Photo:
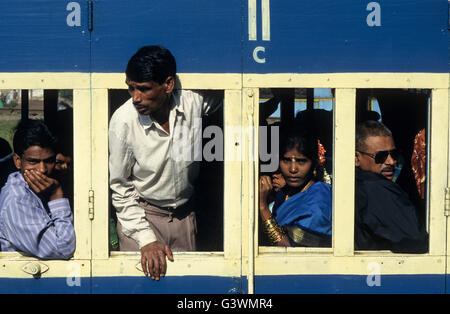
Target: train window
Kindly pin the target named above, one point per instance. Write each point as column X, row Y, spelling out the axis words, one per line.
column 296, row 132
column 205, row 184
column 55, row 109
column 400, row 115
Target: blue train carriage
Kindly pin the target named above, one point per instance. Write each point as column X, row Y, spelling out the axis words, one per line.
column 339, row 58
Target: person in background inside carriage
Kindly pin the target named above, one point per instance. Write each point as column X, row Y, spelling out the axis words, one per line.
column 301, row 215
column 35, row 217
column 385, row 218
column 151, row 191
column 62, row 127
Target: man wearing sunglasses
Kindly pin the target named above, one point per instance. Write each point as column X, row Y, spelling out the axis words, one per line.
column 385, row 218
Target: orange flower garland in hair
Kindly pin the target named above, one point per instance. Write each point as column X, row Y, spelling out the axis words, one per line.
column 321, row 152
column 418, row 162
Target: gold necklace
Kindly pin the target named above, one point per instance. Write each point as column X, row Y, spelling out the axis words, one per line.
column 304, row 189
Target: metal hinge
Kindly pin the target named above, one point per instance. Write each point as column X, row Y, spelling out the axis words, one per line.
column 91, row 204
column 447, row 202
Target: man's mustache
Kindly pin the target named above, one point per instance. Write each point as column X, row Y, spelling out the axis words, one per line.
column 388, row 169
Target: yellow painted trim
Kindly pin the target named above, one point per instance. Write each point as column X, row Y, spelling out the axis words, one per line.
column 56, row 269
column 205, row 262
column 281, row 264
column 253, row 163
column 233, row 144
column 185, row 80
column 250, row 113
column 344, row 172
column 44, row 80
column 183, row 265
column 82, row 166
column 72, row 80
column 340, row 260
column 448, row 178
column 348, row 80
column 100, row 179
column 437, row 173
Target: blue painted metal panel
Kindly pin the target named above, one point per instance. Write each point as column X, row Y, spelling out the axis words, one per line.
column 305, row 36
column 314, row 36
column 203, row 35
column 167, row 285
column 292, row 284
column 389, row 284
column 35, row 37
column 308, row 36
column 44, row 285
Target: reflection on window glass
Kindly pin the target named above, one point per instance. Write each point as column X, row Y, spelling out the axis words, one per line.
column 390, row 194
column 295, row 194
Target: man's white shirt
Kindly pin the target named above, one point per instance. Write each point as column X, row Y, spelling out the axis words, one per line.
column 147, row 162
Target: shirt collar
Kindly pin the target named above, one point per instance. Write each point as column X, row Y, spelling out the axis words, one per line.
column 17, row 178
column 368, row 175
column 147, row 122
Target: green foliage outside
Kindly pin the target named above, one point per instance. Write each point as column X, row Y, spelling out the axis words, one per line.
column 7, row 125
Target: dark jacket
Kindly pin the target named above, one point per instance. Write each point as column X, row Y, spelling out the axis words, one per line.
column 385, row 218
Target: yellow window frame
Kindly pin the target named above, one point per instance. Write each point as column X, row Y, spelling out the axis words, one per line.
column 342, row 258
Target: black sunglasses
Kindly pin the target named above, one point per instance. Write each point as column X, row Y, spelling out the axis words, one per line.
column 381, row 156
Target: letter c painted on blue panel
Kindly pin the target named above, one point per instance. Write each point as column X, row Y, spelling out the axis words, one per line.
column 256, row 56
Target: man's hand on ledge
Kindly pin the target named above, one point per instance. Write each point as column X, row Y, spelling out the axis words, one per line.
column 153, row 259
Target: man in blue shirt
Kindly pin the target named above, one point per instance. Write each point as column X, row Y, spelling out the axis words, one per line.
column 35, row 218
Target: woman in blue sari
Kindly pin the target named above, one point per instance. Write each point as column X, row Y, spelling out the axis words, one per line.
column 301, row 215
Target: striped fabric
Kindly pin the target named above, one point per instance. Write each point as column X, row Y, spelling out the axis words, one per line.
column 27, row 226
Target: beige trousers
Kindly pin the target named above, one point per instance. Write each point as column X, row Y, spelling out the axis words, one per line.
column 176, row 231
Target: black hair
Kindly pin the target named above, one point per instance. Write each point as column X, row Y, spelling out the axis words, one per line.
column 62, row 128
column 306, row 142
column 5, row 148
column 369, row 128
column 151, row 63
column 31, row 132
